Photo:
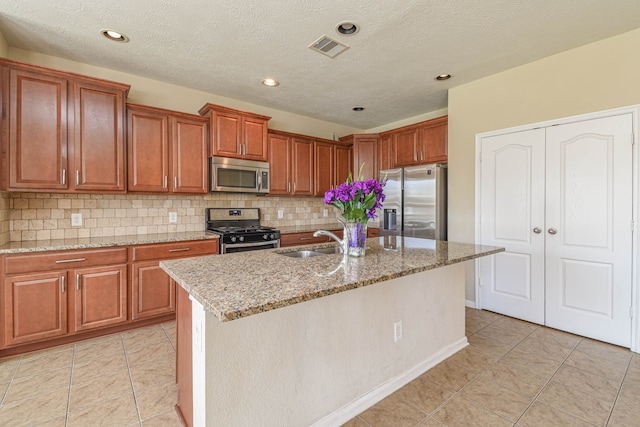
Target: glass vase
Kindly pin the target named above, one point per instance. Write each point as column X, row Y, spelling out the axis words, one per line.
column 355, row 237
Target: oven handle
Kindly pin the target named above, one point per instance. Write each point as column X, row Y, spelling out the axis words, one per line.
column 250, row 245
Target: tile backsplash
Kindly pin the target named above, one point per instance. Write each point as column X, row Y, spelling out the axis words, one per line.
column 43, row 216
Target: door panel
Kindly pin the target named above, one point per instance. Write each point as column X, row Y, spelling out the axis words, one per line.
column 512, row 205
column 589, row 203
column 189, row 156
column 100, row 297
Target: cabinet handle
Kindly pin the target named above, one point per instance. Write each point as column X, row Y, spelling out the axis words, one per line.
column 62, row 280
column 77, row 177
column 288, row 187
column 63, row 261
column 179, row 250
column 166, row 178
column 78, row 281
column 306, row 238
column 537, row 230
column 294, row 187
column 552, row 231
column 415, row 156
column 64, row 176
column 175, row 182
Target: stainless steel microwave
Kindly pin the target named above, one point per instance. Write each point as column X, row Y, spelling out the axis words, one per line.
column 239, row 176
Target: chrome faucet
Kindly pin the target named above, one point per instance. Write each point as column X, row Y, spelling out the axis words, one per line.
column 333, row 236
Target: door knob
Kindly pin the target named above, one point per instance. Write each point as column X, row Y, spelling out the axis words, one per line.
column 537, row 230
column 552, row 231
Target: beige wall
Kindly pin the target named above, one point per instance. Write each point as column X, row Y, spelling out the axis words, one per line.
column 165, row 95
column 409, row 121
column 598, row 76
column 4, row 46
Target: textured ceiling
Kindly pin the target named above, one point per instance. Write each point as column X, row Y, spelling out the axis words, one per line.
column 228, row 47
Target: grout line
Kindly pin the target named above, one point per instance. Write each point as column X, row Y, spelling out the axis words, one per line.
column 626, row 371
column 13, row 375
column 133, row 389
column 73, row 364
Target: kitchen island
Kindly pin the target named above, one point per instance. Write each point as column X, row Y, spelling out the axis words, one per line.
column 282, row 341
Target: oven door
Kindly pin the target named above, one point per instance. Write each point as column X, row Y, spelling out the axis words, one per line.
column 227, row 248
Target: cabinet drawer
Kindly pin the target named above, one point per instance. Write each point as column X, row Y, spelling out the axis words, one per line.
column 175, row 250
column 50, row 261
column 294, row 239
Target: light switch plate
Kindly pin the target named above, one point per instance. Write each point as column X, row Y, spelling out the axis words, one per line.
column 76, row 220
column 173, row 217
column 325, row 212
column 280, row 213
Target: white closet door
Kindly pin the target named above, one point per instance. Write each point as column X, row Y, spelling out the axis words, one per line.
column 588, row 228
column 512, row 207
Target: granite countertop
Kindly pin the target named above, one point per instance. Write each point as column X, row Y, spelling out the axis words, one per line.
column 237, row 285
column 101, row 242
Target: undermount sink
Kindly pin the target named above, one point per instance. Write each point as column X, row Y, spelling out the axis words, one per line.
column 300, row 254
column 315, row 252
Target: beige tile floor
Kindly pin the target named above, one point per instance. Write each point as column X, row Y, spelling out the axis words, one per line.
column 518, row 373
column 512, row 373
column 125, row 379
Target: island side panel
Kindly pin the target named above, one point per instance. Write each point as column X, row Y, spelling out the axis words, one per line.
column 324, row 360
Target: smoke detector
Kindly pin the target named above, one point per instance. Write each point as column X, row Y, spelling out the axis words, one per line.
column 328, row 46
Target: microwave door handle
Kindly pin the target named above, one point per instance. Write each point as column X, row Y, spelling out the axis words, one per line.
column 259, row 180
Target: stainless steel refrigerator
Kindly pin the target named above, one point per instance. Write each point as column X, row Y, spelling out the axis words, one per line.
column 416, row 202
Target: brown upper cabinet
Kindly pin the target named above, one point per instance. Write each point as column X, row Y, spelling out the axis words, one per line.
column 167, row 151
column 236, row 133
column 291, row 164
column 420, row 143
column 64, row 132
column 365, row 151
column 332, row 165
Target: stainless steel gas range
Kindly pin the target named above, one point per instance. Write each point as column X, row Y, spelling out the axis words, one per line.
column 240, row 229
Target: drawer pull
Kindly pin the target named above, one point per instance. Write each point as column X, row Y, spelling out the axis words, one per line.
column 179, row 250
column 306, row 238
column 63, row 261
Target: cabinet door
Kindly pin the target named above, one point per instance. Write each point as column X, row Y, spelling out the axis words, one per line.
column 280, row 165
column 254, row 139
column 406, row 148
column 98, row 138
column 189, row 156
column 154, row 292
column 434, row 143
column 37, row 131
column 302, row 167
column 324, row 167
column 365, row 151
column 35, row 307
column 148, row 146
column 100, row 297
column 343, row 164
column 385, row 150
column 226, row 135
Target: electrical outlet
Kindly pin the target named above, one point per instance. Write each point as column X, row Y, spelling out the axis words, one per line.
column 280, row 213
column 325, row 212
column 173, row 217
column 397, row 331
column 76, row 220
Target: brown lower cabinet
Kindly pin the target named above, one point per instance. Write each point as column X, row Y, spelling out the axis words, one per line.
column 50, row 298
column 306, row 238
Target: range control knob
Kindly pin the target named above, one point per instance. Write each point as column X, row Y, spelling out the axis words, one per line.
column 265, row 236
column 272, row 236
column 233, row 239
column 241, row 238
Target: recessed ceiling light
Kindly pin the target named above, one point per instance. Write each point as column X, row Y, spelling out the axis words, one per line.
column 347, row 28
column 270, row 82
column 443, row 77
column 115, row 36
column 358, row 108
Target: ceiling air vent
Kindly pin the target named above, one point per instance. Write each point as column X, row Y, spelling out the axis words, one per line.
column 328, row 46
